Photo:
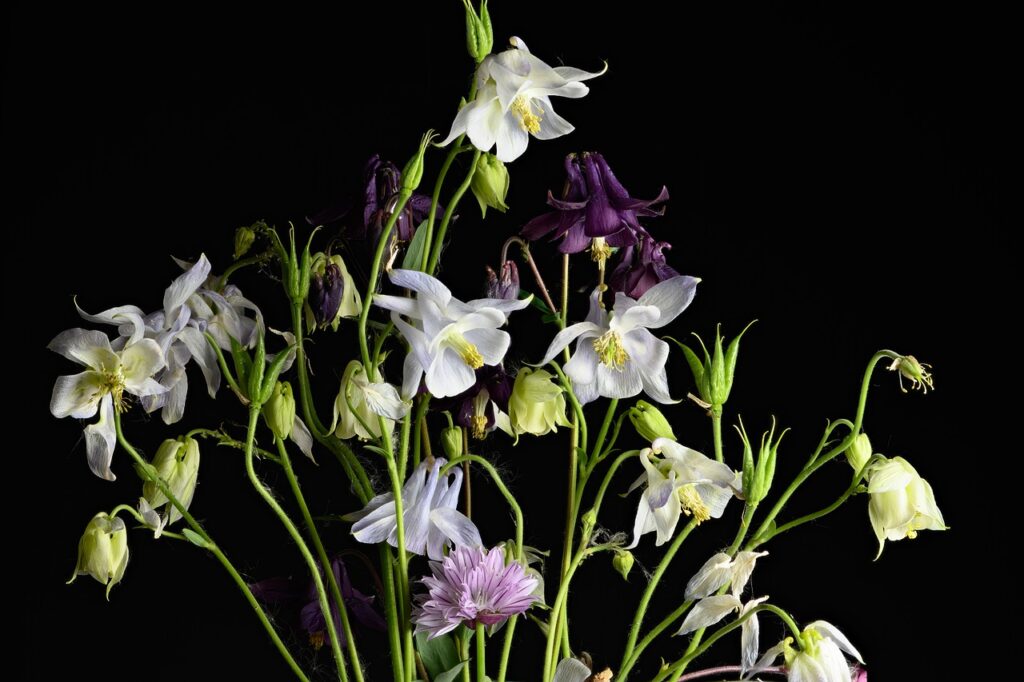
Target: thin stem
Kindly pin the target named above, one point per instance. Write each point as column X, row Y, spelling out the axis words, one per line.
column 564, row 311
column 502, row 488
column 481, row 648
column 442, row 229
column 524, row 248
column 727, row 670
column 325, row 562
column 506, row 649
column 435, row 199
column 613, row 404
column 403, row 565
column 228, row 374
column 212, row 547
column 467, row 485
column 238, row 265
column 716, row 432
column 394, row 623
column 857, row 478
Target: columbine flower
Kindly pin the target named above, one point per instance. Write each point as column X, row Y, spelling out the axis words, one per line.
column 177, row 463
column 483, row 405
column 901, row 502
column 332, row 293
column 595, row 206
column 575, row 670
column 428, row 512
column 472, row 586
column 917, row 372
column 641, row 267
column 537, row 404
column 103, row 551
column 360, row 402
column 285, row 592
column 102, row 387
column 513, row 101
column 683, row 482
column 721, row 569
column 819, row 659
column 616, row 354
column 505, row 285
column 448, row 338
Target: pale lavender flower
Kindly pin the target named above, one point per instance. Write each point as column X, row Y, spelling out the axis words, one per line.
column 472, row 586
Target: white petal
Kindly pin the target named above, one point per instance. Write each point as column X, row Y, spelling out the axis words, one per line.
column 174, row 404
column 87, row 347
column 709, row 611
column 301, row 436
column 666, row 518
column 888, row 476
column 571, row 670
column 551, row 124
column 650, row 355
column 403, row 305
column 77, row 395
column 572, row 74
column 141, row 361
column 586, row 393
column 99, row 440
column 378, row 524
column 384, row 401
column 643, row 522
column 447, row 497
column 671, row 297
column 419, row 344
column 806, row 669
column 768, row 659
column 567, row 336
column 458, row 125
column 456, row 526
column 184, row 286
column 832, row 632
column 423, row 284
column 831, row 660
column 204, row 356
column 416, row 514
column 483, row 119
column 511, row 139
column 128, row 316
column 715, row 498
column 715, row 572
column 505, row 305
column 492, row 344
column 743, row 566
column 582, row 365
column 448, row 374
column 619, row 383
column 635, row 316
column 750, row 635
column 412, row 375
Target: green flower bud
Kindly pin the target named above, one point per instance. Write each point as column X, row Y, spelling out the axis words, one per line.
column 537, row 403
column 103, row 551
column 177, row 463
column 257, row 368
column 244, row 238
column 412, row 174
column 451, row 441
column 714, row 375
column 623, row 562
column 649, row 422
column 589, row 520
column 279, row 410
column 490, row 183
column 479, row 33
column 758, row 475
column 859, row 452
column 917, row 372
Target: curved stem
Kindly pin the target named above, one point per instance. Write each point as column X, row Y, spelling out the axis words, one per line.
column 238, row 265
column 857, row 478
column 442, row 229
column 502, row 488
column 725, row 670
column 212, row 547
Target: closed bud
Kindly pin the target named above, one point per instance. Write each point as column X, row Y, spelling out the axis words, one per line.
column 412, row 174
column 479, row 33
column 859, row 452
column 177, row 463
column 537, row 403
column 244, row 238
column 589, row 520
column 505, row 285
column 103, row 551
column 649, row 422
column 279, row 410
column 623, row 562
column 490, row 183
column 451, row 441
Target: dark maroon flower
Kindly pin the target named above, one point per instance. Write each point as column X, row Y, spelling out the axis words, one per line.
column 641, row 267
column 506, row 285
column 595, row 205
column 325, row 293
column 285, row 592
column 476, row 407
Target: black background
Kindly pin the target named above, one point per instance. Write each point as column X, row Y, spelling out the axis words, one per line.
column 834, row 173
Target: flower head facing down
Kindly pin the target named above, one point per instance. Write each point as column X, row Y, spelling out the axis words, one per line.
column 471, row 586
column 595, row 206
column 513, row 102
column 428, row 512
column 177, row 462
column 448, row 338
column 901, row 502
column 361, row 403
column 484, row 404
column 103, row 551
column 537, row 404
column 616, row 354
column 641, row 267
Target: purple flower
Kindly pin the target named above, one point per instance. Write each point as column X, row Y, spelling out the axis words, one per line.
column 595, row 205
column 325, row 293
column 477, row 407
column 641, row 267
column 472, row 586
column 284, row 592
column 506, row 285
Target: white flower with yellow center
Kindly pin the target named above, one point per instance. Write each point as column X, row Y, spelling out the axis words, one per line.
column 448, row 338
column 513, row 101
column 109, row 375
column 901, row 502
column 819, row 658
column 616, row 354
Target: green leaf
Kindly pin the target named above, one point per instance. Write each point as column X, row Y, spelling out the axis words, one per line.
column 195, row 538
column 438, row 654
column 450, row 675
column 413, row 259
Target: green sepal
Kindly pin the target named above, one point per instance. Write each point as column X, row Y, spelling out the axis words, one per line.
column 195, row 538
column 242, row 361
column 259, row 364
column 273, row 372
column 413, row 259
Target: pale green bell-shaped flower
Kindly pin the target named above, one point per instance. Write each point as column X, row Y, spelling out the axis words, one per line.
column 361, row 403
column 537, row 403
column 177, row 463
column 103, row 551
column 490, row 183
column 901, row 502
column 279, row 410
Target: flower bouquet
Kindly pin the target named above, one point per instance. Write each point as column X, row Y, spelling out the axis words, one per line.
column 433, row 377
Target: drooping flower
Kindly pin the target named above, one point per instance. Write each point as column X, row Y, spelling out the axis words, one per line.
column 471, row 586
column 640, row 267
column 490, row 184
column 537, row 404
column 918, row 373
column 505, row 285
column 513, row 101
column 721, row 569
column 332, row 293
column 177, row 462
column 383, row 180
column 103, row 551
column 102, row 387
column 361, row 402
column 819, row 657
column 449, row 338
column 901, row 502
column 682, row 482
column 595, row 206
column 430, row 519
column 616, row 355
column 484, row 404
column 288, row 593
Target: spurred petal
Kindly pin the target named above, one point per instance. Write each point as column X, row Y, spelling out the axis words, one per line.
column 129, row 319
column 567, row 336
column 709, row 611
column 832, row 632
column 456, row 526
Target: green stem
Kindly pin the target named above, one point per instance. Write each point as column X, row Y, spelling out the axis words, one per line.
column 481, row 648
column 296, row 536
column 212, row 547
column 238, row 265
column 716, row 432
column 228, row 374
column 435, row 199
column 394, row 623
column 506, row 649
column 502, row 488
column 442, row 229
column 403, row 566
column 556, row 608
column 325, row 562
column 857, row 478
column 613, row 404
column 419, row 429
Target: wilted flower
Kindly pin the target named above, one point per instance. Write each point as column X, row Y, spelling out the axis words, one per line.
column 616, row 354
column 448, row 338
column 917, row 372
column 513, row 101
column 720, row 570
column 471, row 586
column 383, row 181
column 428, row 512
column 819, row 658
column 177, row 463
column 361, row 402
column 285, row 592
column 537, row 403
column 102, row 387
column 575, row 670
column 505, row 285
column 901, row 502
column 480, row 407
column 103, row 551
column 490, row 184
column 595, row 205
column 640, row 267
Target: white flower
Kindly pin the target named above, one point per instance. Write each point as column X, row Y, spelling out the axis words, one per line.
column 448, row 338
column 901, row 502
column 360, row 402
column 684, row 481
column 721, row 569
column 429, row 516
column 102, row 386
column 616, row 356
column 819, row 659
column 513, row 101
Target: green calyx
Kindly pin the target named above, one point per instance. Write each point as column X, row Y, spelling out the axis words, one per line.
column 715, row 373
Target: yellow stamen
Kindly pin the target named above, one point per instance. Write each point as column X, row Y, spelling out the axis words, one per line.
column 113, row 382
column 609, row 350
column 478, row 426
column 316, row 639
column 523, row 108
column 599, row 250
column 693, row 505
column 467, row 351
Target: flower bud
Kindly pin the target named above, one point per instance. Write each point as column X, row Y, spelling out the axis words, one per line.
column 505, row 286
column 917, row 372
column 714, row 376
column 177, row 463
column 588, row 521
column 537, row 403
column 412, row 174
column 901, row 502
column 325, row 292
column 451, row 441
column 649, row 422
column 623, row 562
column 859, row 452
column 490, row 183
column 279, row 410
column 479, row 33
column 103, row 551
column 244, row 238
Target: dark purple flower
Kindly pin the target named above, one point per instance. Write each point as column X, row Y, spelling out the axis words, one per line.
column 595, row 205
column 472, row 585
column 325, row 293
column 506, row 285
column 641, row 267
column 285, row 592
column 477, row 407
